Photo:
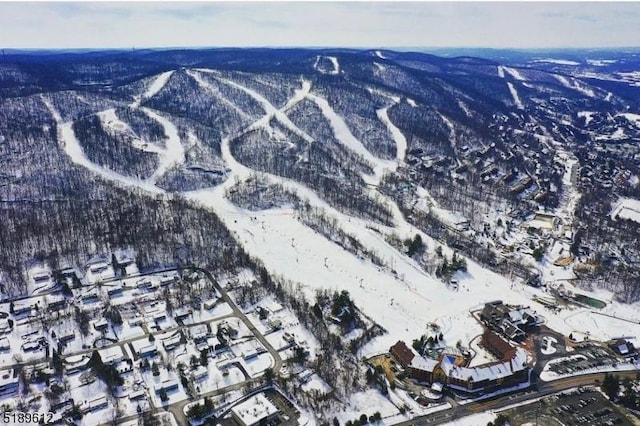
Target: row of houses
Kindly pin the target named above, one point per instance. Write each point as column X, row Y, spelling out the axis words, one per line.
column 451, row 371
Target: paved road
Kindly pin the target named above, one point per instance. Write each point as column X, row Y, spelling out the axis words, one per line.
column 177, row 409
column 544, row 389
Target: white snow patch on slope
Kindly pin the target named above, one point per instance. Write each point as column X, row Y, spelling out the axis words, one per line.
column 153, row 89
column 272, row 111
column 398, row 136
column 380, row 55
column 344, row 135
column 514, row 73
column 500, row 71
column 379, row 67
column 411, row 102
column 334, row 62
column 601, row 62
column 173, row 153
column 588, row 116
column 558, row 61
column 632, row 118
column 336, row 65
column 71, row 146
column 627, row 208
column 214, row 91
column 515, row 96
column 572, row 83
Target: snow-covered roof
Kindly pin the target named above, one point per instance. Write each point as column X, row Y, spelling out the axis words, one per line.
column 254, row 409
column 422, row 363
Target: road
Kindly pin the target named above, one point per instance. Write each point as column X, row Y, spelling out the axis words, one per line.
column 544, row 389
column 177, row 408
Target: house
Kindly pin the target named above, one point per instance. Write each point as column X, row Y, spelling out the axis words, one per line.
column 9, row 382
column 96, row 404
column 199, row 333
column 112, row 355
column 199, row 373
column 402, row 354
column 20, row 309
column 496, row 345
column 254, row 411
column 31, row 346
column 115, row 291
column 101, row 325
column 450, row 370
column 165, row 281
column 55, row 303
column 512, row 322
column 168, row 386
column 90, row 297
column 622, row 347
column 172, row 342
column 485, row 378
column 210, row 304
column 181, row 314
column 143, row 348
column 4, row 344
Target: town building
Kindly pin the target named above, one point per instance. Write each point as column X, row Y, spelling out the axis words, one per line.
column 254, row 411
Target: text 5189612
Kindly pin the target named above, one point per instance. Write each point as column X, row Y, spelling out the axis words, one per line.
column 19, row 417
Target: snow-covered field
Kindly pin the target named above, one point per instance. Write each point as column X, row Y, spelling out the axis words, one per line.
column 627, row 208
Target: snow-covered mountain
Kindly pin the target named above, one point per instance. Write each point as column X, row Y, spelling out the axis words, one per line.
column 322, row 164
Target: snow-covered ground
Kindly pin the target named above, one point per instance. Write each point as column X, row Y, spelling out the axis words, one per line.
column 402, row 298
column 627, row 208
column 156, row 85
column 516, row 97
column 572, row 83
column 558, row 61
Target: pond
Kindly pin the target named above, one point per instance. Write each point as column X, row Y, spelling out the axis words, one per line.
column 589, row 301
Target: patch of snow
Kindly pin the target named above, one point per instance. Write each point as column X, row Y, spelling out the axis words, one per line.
column 411, row 102
column 632, row 118
column 626, row 208
column 572, row 83
column 71, row 146
column 515, row 96
column 588, row 115
column 153, row 89
column 601, row 62
column 398, row 136
column 558, row 61
column 514, row 73
column 380, row 55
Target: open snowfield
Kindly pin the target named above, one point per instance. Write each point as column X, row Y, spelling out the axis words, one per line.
column 627, row 208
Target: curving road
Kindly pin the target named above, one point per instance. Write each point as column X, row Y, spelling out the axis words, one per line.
column 544, row 389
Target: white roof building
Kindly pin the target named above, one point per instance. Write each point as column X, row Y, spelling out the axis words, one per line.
column 254, row 410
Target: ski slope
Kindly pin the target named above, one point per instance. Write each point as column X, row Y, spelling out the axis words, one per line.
column 516, row 97
column 400, row 296
column 157, row 85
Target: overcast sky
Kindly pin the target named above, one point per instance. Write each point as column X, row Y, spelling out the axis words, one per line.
column 352, row 24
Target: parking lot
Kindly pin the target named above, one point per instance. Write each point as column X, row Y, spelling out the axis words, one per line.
column 585, row 407
column 591, row 357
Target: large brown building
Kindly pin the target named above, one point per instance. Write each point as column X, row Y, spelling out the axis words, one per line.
column 510, row 370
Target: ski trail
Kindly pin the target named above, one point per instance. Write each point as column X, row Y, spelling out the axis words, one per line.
column 272, row 111
column 153, row 89
column 575, row 85
column 173, row 154
column 336, row 65
column 71, row 146
column 515, row 96
column 514, row 73
column 214, row 91
column 344, row 136
column 398, row 136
